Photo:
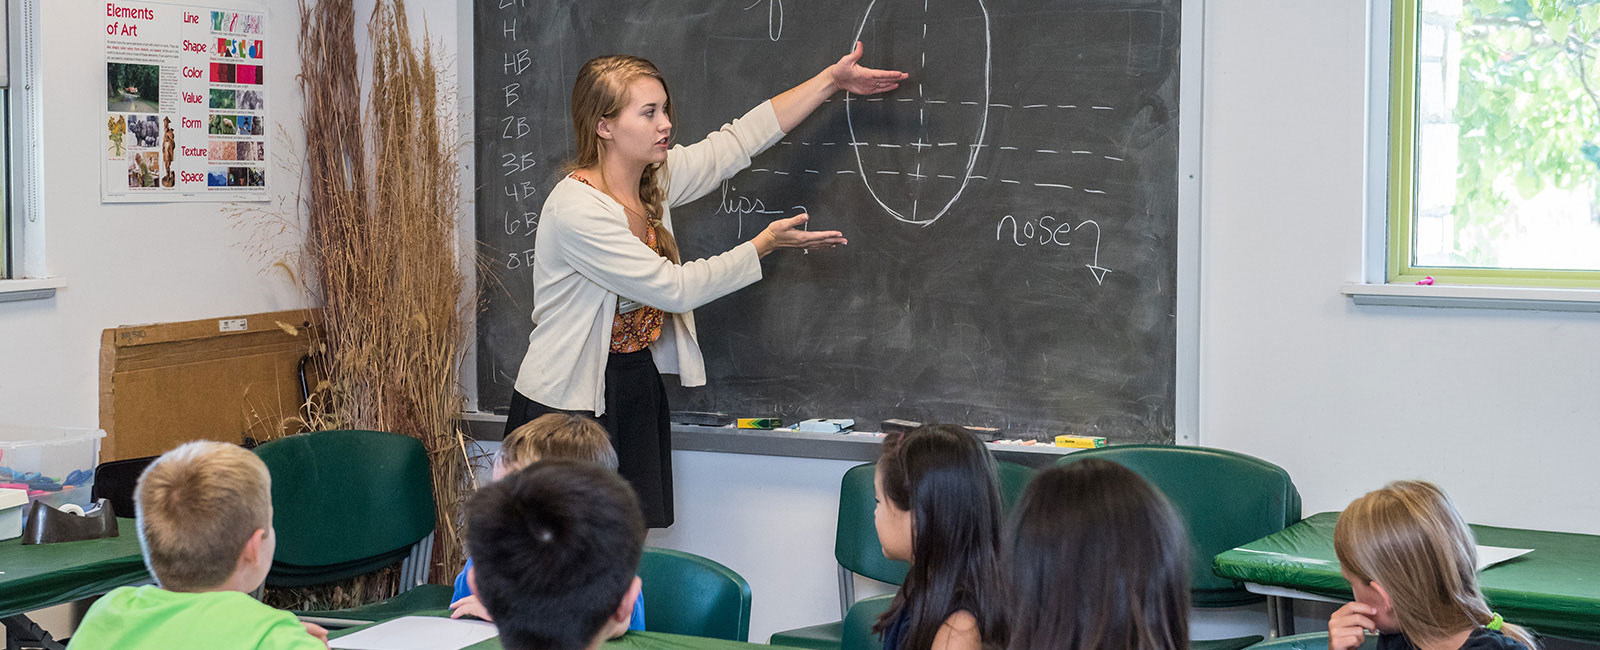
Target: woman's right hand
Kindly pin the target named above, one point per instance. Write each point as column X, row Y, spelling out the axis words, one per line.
column 1347, row 628
column 791, row 233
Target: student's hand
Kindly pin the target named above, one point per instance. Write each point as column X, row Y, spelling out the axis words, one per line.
column 1347, row 628
column 849, row 75
column 469, row 606
column 790, row 233
column 317, row 631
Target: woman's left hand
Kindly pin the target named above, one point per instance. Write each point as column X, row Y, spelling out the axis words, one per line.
column 849, row 75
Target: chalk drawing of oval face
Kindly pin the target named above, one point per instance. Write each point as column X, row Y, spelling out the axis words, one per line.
column 916, row 147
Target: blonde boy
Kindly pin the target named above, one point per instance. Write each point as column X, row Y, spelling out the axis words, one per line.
column 205, row 526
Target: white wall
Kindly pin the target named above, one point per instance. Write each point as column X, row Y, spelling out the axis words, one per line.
column 1498, row 407
column 134, row 262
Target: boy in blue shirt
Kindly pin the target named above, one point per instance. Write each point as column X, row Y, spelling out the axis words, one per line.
column 551, row 436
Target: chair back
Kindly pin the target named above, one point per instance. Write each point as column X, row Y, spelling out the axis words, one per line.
column 858, row 623
column 1313, row 641
column 346, row 503
column 117, row 481
column 1227, row 499
column 855, row 541
column 694, row 596
column 1014, row 478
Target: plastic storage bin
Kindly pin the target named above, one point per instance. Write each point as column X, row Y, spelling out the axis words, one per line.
column 55, row 464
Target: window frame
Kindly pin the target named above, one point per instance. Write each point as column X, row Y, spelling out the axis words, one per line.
column 1403, row 112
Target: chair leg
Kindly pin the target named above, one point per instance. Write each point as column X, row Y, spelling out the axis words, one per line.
column 847, row 591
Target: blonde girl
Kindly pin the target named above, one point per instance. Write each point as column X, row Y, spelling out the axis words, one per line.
column 1412, row 563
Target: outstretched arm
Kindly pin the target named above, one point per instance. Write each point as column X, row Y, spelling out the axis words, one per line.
column 848, row 74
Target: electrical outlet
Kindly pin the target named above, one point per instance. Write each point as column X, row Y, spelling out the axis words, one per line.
column 233, row 325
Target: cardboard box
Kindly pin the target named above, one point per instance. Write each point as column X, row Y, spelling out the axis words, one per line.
column 215, row 379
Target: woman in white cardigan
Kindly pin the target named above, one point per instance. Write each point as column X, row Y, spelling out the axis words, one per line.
column 612, row 301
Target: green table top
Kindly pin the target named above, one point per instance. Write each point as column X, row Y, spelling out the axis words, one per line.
column 32, row 577
column 1555, row 589
column 629, row 641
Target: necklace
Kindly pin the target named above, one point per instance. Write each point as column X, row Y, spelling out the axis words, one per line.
column 626, row 211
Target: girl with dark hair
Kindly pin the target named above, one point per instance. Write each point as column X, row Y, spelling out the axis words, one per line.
column 612, row 299
column 939, row 510
column 1096, row 559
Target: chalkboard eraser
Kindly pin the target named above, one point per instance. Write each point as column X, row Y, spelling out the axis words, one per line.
column 896, row 425
column 825, row 425
column 701, row 418
column 1080, row 442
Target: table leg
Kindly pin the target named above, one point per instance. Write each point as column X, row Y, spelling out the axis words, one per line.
column 1280, row 617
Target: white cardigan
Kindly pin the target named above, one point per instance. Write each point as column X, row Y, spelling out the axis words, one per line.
column 584, row 257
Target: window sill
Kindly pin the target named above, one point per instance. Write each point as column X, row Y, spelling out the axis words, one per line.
column 1474, row 297
column 30, row 288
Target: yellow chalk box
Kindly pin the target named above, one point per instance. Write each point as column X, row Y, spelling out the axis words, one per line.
column 1080, row 442
column 759, row 423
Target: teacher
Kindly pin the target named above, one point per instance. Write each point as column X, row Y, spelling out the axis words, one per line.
column 612, row 300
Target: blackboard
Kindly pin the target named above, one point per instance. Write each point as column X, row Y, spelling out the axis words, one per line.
column 1011, row 209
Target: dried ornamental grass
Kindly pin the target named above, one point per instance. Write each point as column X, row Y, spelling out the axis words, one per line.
column 380, row 254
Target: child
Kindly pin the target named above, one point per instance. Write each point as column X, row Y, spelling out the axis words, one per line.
column 555, row 435
column 1412, row 563
column 1096, row 559
column 939, row 509
column 205, row 526
column 557, row 547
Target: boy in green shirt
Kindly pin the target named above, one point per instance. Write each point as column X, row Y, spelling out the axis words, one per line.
column 205, row 525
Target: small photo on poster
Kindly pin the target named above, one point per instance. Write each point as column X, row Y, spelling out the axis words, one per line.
column 249, row 125
column 133, row 88
column 222, row 125
column 245, row 150
column 246, row 177
column 221, row 73
column 217, row 177
column 232, row 21
column 223, row 98
column 144, row 169
column 223, row 150
column 251, row 100
column 117, row 131
column 144, row 131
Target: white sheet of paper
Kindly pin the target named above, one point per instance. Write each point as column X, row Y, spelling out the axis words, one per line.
column 417, row 633
column 1489, row 556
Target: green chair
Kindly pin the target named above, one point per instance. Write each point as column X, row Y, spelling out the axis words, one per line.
column 1226, row 499
column 855, row 546
column 1315, row 641
column 858, row 623
column 694, row 596
column 347, row 503
column 1014, row 479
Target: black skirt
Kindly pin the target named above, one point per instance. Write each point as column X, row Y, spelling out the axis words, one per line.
column 637, row 419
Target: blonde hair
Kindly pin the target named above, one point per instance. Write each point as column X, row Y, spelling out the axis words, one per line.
column 601, row 92
column 557, row 435
column 1409, row 538
column 198, row 505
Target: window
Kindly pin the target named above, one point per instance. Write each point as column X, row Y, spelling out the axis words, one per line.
column 1494, row 142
